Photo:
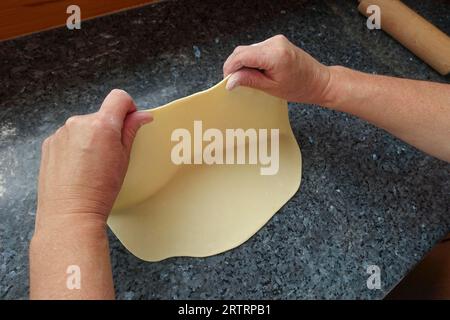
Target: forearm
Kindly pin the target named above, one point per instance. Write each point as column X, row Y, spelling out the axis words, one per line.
column 417, row 112
column 58, row 245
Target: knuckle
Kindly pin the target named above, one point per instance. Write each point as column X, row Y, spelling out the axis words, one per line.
column 103, row 123
column 72, row 121
column 119, row 98
column 117, row 91
column 238, row 49
column 99, row 124
column 120, row 94
column 58, row 131
column 280, row 38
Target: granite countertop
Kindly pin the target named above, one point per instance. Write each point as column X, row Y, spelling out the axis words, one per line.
column 366, row 198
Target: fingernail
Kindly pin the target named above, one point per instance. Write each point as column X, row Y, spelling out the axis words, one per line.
column 146, row 117
column 232, row 82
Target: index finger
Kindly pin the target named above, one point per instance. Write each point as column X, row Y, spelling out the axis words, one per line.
column 117, row 105
column 249, row 57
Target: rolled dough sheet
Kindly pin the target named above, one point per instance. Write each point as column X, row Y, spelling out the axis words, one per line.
column 165, row 210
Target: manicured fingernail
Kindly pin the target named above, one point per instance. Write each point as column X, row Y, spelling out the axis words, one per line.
column 232, row 82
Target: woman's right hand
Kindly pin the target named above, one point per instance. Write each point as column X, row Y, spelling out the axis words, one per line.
column 279, row 68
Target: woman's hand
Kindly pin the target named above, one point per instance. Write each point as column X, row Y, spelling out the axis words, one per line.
column 279, row 68
column 415, row 111
column 82, row 169
column 84, row 163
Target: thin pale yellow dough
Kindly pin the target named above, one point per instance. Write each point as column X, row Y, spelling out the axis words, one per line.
column 165, row 210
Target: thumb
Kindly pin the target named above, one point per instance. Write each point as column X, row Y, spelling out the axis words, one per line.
column 131, row 125
column 248, row 77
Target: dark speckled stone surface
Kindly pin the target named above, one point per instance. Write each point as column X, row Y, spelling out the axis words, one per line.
column 366, row 197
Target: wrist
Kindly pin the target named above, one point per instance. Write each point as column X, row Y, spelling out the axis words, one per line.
column 58, row 235
column 336, row 88
column 63, row 236
column 59, row 243
column 71, row 225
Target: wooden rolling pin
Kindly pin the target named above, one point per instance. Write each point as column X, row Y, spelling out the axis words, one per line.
column 414, row 32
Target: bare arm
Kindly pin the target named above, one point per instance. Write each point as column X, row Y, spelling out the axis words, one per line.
column 417, row 112
column 57, row 248
column 82, row 169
